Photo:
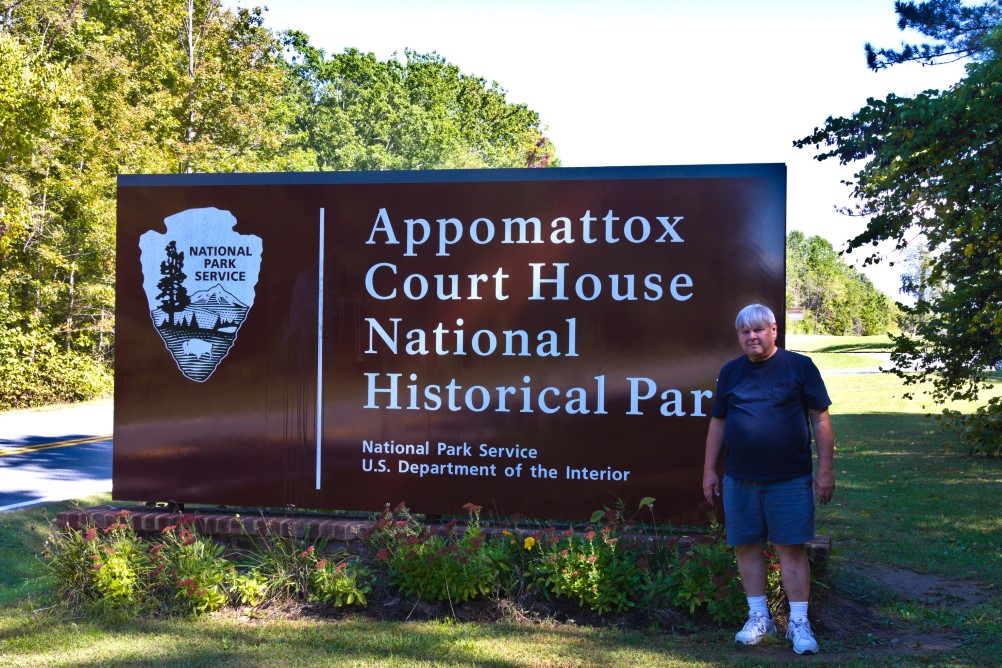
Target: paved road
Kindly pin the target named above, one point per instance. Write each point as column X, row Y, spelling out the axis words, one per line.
column 55, row 454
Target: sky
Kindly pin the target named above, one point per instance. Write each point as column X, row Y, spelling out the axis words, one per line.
column 669, row 82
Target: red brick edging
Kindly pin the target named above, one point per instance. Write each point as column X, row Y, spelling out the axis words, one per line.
column 154, row 520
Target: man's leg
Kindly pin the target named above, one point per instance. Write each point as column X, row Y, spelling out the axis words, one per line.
column 796, row 572
column 752, row 568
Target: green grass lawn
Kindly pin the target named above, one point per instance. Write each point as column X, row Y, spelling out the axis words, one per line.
column 903, row 500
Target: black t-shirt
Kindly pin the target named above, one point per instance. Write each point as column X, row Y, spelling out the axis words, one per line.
column 765, row 407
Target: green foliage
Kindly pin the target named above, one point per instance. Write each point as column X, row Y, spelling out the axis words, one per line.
column 35, row 371
column 190, row 570
column 340, row 583
column 706, row 577
column 933, row 175
column 108, row 565
column 248, row 588
column 434, row 564
column 980, row 432
column 92, row 90
column 961, row 30
column 836, row 298
column 360, row 113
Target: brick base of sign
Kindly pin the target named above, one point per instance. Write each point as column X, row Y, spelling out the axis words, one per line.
column 232, row 525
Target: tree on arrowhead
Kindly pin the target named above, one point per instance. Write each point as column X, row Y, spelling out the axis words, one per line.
column 173, row 294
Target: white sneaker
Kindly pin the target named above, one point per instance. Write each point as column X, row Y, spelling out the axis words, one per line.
column 754, row 629
column 802, row 637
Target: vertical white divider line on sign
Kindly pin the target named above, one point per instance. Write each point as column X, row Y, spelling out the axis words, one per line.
column 320, row 346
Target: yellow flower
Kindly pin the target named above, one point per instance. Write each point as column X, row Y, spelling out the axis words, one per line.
column 506, row 532
column 529, row 542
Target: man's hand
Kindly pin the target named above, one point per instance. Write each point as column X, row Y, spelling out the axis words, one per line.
column 711, row 487
column 824, row 485
column 714, row 444
column 824, row 436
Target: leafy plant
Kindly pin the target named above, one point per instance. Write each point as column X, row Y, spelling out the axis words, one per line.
column 706, row 576
column 340, row 583
column 438, row 564
column 190, row 569
column 600, row 569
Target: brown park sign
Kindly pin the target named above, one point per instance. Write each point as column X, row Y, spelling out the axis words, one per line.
column 542, row 342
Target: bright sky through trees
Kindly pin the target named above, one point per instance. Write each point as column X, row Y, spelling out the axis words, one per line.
column 648, row 82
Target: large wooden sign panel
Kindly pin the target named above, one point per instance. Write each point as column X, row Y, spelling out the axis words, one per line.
column 543, row 342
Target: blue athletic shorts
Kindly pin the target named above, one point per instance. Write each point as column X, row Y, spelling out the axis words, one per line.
column 781, row 513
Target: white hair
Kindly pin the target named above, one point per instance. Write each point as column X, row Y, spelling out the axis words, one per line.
column 754, row 315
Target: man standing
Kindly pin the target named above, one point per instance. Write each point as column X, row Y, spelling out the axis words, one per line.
column 765, row 405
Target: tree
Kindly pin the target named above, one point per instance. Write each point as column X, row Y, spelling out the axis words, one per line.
column 933, row 172
column 960, row 31
column 172, row 291
column 836, row 298
column 360, row 113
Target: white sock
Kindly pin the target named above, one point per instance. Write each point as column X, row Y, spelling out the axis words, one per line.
column 759, row 605
column 798, row 611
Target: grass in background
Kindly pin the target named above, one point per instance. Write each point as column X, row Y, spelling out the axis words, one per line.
column 808, row 343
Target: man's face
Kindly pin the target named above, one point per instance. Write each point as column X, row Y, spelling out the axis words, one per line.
column 758, row 341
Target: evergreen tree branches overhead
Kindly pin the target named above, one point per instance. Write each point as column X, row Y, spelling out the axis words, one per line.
column 959, row 30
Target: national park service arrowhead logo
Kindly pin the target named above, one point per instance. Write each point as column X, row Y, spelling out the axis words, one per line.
column 199, row 280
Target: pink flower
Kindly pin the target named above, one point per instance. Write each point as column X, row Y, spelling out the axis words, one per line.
column 399, row 507
column 156, row 548
column 190, row 541
column 307, row 552
column 568, row 533
column 472, row 507
column 563, row 552
column 592, row 559
column 341, row 566
column 168, row 529
column 90, row 534
column 97, row 567
column 590, row 535
column 382, row 555
column 322, row 564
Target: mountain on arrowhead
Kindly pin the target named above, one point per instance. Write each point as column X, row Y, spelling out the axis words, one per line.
column 216, row 296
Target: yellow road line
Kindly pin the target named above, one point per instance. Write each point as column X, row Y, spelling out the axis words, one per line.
column 25, row 449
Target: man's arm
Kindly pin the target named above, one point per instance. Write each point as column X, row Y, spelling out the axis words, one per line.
column 714, row 444
column 824, row 436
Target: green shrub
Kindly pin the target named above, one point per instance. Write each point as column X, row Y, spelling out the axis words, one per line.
column 706, row 577
column 190, row 571
column 340, row 583
column 93, row 564
column 434, row 564
column 597, row 569
column 981, row 431
column 35, row 371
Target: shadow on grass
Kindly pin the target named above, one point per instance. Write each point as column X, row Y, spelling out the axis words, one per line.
column 857, row 347
column 355, row 641
column 905, row 497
